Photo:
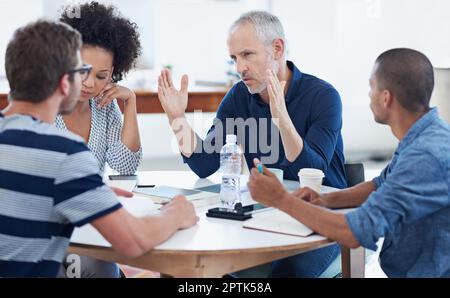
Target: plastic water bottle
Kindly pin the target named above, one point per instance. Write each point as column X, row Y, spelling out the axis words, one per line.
column 230, row 167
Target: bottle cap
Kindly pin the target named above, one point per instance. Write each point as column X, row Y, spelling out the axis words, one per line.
column 231, row 139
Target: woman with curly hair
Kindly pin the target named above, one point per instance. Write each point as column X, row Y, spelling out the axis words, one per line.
column 111, row 45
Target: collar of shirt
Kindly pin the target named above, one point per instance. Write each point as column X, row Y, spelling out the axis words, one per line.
column 20, row 115
column 295, row 82
column 418, row 127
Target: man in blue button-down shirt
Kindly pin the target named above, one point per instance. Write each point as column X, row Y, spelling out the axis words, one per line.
column 409, row 203
column 273, row 99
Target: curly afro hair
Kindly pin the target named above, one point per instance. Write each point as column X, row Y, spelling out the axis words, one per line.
column 103, row 26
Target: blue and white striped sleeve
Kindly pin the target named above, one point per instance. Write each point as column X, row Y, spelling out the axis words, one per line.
column 80, row 194
column 119, row 157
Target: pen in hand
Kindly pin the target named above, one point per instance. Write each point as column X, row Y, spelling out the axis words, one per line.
column 259, row 166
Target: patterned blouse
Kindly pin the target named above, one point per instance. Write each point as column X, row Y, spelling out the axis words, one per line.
column 105, row 139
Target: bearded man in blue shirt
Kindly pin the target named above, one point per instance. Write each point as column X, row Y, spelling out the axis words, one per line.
column 273, row 99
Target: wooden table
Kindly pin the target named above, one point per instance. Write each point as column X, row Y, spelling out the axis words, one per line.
column 214, row 247
column 205, row 100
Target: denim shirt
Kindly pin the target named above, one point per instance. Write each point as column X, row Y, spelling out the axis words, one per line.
column 411, row 206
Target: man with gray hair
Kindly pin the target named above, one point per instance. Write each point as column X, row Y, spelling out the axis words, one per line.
column 304, row 110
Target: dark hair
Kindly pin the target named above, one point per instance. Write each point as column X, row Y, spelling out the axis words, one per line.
column 408, row 75
column 37, row 57
column 104, row 27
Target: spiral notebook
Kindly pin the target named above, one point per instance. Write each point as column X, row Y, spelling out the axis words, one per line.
column 276, row 221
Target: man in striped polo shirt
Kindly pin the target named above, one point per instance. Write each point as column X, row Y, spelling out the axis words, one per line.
column 49, row 180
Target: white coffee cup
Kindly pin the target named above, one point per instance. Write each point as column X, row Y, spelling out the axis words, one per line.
column 311, row 178
column 279, row 173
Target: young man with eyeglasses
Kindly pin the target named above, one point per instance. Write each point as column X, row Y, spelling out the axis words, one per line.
column 49, row 180
column 84, row 71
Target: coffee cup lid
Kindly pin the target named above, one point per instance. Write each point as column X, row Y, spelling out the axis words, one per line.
column 311, row 173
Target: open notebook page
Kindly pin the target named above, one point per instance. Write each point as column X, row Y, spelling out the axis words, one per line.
column 277, row 221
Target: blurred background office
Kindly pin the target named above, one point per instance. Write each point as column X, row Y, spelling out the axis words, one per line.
column 337, row 40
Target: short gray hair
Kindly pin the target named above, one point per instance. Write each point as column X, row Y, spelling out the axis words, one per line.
column 267, row 26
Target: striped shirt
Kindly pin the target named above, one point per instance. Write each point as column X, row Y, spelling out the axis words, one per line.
column 105, row 139
column 49, row 184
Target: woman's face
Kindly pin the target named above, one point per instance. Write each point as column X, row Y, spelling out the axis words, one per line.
column 102, row 68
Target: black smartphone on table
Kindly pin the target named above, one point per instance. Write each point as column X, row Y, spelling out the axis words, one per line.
column 242, row 213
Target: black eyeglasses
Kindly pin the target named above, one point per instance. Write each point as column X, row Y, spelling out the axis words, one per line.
column 84, row 71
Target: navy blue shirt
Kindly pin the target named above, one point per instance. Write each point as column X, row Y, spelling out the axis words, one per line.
column 314, row 107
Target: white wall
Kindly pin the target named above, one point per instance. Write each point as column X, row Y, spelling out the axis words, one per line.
column 14, row 15
column 338, row 40
column 441, row 95
column 191, row 35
